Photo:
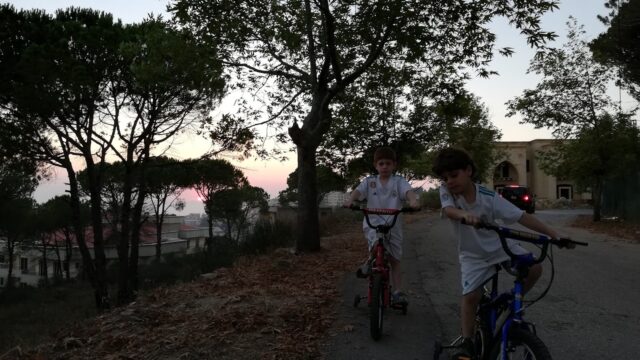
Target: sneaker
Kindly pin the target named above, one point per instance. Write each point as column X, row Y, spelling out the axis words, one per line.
column 464, row 351
column 398, row 297
column 364, row 270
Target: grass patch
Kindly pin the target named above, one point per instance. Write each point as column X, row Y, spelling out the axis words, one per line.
column 30, row 315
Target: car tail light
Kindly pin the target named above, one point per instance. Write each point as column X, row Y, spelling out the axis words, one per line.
column 525, row 198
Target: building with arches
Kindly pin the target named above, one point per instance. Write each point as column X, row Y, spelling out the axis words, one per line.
column 519, row 165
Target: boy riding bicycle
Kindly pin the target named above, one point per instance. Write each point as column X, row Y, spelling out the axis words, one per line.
column 479, row 251
column 385, row 191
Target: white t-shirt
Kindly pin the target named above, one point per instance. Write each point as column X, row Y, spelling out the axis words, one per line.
column 480, row 243
column 388, row 196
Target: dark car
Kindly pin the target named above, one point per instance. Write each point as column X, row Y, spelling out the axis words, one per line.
column 520, row 196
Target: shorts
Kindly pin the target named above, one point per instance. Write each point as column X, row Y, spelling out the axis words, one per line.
column 394, row 246
column 476, row 271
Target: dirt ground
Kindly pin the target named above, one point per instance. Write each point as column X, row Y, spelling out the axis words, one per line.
column 275, row 306
column 618, row 228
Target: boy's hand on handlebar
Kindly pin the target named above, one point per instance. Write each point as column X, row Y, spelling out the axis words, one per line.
column 470, row 219
column 566, row 243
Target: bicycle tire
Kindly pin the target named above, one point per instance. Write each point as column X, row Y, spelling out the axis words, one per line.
column 482, row 339
column 525, row 342
column 376, row 311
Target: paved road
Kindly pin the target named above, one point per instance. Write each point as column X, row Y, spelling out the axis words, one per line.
column 404, row 337
column 591, row 311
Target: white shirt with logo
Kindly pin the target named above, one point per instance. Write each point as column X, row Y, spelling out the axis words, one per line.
column 480, row 249
column 387, row 196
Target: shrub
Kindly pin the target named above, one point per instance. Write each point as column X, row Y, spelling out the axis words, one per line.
column 183, row 268
column 266, row 236
column 430, row 199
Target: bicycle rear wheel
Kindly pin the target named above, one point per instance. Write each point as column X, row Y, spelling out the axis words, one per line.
column 521, row 345
column 376, row 310
column 482, row 339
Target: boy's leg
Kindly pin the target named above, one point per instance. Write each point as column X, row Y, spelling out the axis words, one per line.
column 468, row 309
column 468, row 306
column 534, row 274
column 396, row 274
column 395, row 249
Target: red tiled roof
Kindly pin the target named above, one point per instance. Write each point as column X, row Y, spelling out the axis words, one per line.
column 147, row 235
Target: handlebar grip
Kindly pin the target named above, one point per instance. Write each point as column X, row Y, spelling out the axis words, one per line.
column 568, row 243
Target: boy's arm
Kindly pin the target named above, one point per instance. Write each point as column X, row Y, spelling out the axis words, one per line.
column 534, row 224
column 355, row 195
column 459, row 214
column 450, row 210
column 413, row 199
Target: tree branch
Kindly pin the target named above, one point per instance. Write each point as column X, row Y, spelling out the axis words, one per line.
column 330, row 29
column 273, row 52
column 279, row 112
column 263, row 71
column 311, row 43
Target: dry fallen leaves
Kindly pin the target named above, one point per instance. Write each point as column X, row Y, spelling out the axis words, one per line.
column 275, row 306
column 622, row 229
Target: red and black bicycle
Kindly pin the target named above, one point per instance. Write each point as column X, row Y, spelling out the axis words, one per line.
column 379, row 293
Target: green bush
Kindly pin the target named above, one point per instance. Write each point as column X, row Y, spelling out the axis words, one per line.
column 170, row 270
column 267, row 236
column 430, row 199
column 183, row 268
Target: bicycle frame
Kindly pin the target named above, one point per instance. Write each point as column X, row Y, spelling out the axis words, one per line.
column 381, row 264
column 505, row 310
column 501, row 322
column 511, row 302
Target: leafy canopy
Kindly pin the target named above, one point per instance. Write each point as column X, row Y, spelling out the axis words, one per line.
column 619, row 45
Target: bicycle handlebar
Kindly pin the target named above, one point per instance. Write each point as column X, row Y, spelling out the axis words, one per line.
column 381, row 211
column 538, row 239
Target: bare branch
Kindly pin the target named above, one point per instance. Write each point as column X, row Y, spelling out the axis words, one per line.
column 279, row 112
column 263, row 71
column 274, row 53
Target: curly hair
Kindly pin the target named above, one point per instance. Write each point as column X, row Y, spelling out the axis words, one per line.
column 450, row 159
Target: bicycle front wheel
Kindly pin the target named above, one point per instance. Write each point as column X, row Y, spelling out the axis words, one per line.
column 377, row 306
column 521, row 345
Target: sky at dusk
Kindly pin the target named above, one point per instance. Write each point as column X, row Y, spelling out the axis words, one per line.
column 272, row 175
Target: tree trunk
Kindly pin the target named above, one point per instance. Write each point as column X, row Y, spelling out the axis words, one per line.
column 307, row 140
column 308, row 231
column 210, row 238
column 124, row 292
column 67, row 255
column 597, row 199
column 135, row 242
column 158, row 238
column 44, row 262
column 95, row 270
column 10, row 250
column 56, row 248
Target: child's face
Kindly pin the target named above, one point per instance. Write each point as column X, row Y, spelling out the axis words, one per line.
column 457, row 180
column 385, row 167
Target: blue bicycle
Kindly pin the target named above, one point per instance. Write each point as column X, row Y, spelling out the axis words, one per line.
column 501, row 332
